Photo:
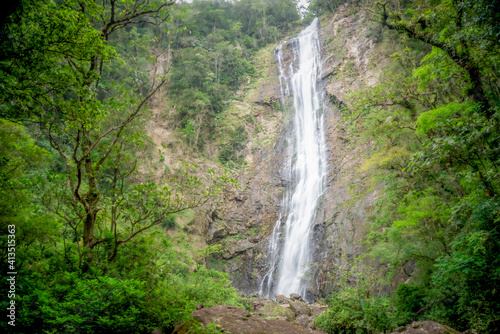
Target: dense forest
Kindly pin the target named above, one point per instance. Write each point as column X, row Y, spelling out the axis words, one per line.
column 434, row 118
column 86, row 222
column 87, row 215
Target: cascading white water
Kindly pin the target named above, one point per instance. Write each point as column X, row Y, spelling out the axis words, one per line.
column 308, row 169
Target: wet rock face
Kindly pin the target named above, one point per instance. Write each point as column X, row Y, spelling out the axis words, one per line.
column 349, row 56
column 232, row 319
column 296, row 297
column 425, row 327
column 348, row 64
column 250, row 213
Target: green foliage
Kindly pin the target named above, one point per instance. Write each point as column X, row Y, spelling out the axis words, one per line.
column 33, row 72
column 434, row 120
column 351, row 311
column 93, row 305
column 212, row 43
column 357, row 309
column 90, row 255
column 410, row 301
column 169, row 221
column 231, row 154
column 202, row 81
column 19, row 157
column 435, row 68
column 321, row 6
column 137, row 293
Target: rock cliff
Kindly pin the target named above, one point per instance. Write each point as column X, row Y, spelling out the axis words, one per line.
column 348, row 52
column 351, row 60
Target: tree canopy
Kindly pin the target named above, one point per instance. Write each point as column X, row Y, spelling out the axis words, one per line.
column 435, row 121
column 92, row 254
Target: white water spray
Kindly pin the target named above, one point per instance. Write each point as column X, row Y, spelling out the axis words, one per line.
column 308, row 170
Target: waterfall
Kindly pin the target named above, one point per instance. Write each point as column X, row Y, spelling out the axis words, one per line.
column 289, row 246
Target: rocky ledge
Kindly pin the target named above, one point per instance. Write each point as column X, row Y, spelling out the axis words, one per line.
column 425, row 327
column 285, row 315
column 232, row 319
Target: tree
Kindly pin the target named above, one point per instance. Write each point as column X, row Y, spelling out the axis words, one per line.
column 18, row 158
column 319, row 6
column 52, row 70
column 465, row 30
column 435, row 120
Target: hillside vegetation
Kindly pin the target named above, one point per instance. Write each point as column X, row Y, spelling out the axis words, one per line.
column 85, row 220
column 90, row 225
column 433, row 119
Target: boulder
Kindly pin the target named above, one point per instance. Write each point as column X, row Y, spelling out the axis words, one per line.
column 285, row 311
column 260, row 305
column 425, row 327
column 317, row 309
column 282, row 299
column 236, row 320
column 296, row 297
column 237, row 247
column 270, row 309
column 300, row 308
column 305, row 321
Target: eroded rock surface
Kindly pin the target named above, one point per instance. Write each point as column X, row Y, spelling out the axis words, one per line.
column 425, row 327
column 350, row 55
column 235, row 320
column 270, row 309
column 290, row 309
